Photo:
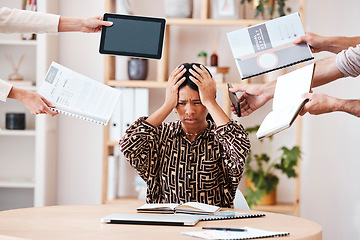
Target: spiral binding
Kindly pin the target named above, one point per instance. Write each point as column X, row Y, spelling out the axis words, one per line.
column 77, row 116
column 232, row 216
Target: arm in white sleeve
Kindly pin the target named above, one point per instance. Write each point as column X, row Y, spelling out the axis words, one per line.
column 21, row 21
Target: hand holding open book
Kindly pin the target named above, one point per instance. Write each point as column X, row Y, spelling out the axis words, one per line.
column 287, row 102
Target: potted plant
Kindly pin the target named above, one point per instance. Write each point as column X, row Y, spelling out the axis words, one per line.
column 270, row 5
column 261, row 171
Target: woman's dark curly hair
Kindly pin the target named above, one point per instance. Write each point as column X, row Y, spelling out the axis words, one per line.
column 187, row 75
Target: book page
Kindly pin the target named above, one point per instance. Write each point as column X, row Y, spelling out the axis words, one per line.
column 291, row 86
column 201, row 207
column 249, row 233
column 287, row 100
column 78, row 95
column 158, row 206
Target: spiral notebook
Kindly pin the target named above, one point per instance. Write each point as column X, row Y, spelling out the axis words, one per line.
column 79, row 96
column 230, row 215
column 248, row 233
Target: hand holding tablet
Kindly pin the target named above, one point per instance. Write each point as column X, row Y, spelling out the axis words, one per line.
column 133, row 36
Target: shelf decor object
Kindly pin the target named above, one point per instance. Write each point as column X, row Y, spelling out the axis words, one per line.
column 178, row 8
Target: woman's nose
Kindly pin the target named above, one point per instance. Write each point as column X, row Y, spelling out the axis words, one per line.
column 189, row 109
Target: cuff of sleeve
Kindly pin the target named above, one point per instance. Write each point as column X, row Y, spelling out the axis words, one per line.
column 52, row 24
column 5, row 88
column 222, row 129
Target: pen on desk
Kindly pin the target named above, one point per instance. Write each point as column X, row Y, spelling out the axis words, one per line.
column 226, row 229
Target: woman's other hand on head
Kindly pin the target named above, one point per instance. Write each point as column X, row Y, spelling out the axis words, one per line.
column 206, row 84
column 172, row 88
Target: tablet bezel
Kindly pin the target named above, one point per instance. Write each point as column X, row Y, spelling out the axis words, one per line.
column 162, row 21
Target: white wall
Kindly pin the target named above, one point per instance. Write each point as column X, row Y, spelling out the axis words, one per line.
column 329, row 188
column 80, row 142
column 329, row 191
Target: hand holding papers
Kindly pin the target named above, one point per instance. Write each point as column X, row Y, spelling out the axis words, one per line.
column 78, row 96
column 287, row 102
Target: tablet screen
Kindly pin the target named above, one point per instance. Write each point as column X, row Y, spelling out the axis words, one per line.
column 133, row 36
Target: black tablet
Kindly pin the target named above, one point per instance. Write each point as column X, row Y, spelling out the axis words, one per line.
column 133, row 36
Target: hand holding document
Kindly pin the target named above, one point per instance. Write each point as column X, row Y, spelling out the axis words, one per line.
column 77, row 95
column 287, row 102
column 269, row 46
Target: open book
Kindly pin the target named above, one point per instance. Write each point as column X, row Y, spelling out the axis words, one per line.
column 268, row 46
column 189, row 207
column 248, row 233
column 77, row 95
column 287, row 102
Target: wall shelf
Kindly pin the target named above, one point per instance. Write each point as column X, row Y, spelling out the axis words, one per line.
column 28, row 157
column 20, row 133
column 18, row 42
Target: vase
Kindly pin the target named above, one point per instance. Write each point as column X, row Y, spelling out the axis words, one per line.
column 138, row 68
column 267, row 199
column 178, row 8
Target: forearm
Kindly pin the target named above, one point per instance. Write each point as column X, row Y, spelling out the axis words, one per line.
column 235, row 142
column 337, row 44
column 159, row 115
column 326, row 71
column 217, row 113
column 70, row 24
column 349, row 106
column 17, row 93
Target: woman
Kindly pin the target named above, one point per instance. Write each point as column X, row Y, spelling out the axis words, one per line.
column 193, row 159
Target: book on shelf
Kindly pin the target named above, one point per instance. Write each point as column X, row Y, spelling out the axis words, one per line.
column 269, row 46
column 287, row 102
column 243, row 233
column 77, row 95
column 189, row 207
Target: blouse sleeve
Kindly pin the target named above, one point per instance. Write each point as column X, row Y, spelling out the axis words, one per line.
column 139, row 146
column 348, row 61
column 236, row 145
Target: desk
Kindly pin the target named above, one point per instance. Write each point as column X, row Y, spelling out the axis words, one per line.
column 82, row 222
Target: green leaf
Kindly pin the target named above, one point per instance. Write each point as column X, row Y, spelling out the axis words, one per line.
column 270, row 183
column 253, row 197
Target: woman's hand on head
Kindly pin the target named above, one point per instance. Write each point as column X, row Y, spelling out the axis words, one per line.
column 172, row 88
column 206, row 84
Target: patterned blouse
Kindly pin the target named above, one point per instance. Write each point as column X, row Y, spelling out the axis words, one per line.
column 176, row 170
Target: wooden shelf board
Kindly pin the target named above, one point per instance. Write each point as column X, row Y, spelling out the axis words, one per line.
column 212, row 22
column 136, row 83
column 19, row 42
column 279, row 208
column 156, row 84
column 12, row 184
column 113, row 143
column 30, row 133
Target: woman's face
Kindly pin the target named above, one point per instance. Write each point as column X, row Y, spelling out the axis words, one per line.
column 190, row 109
